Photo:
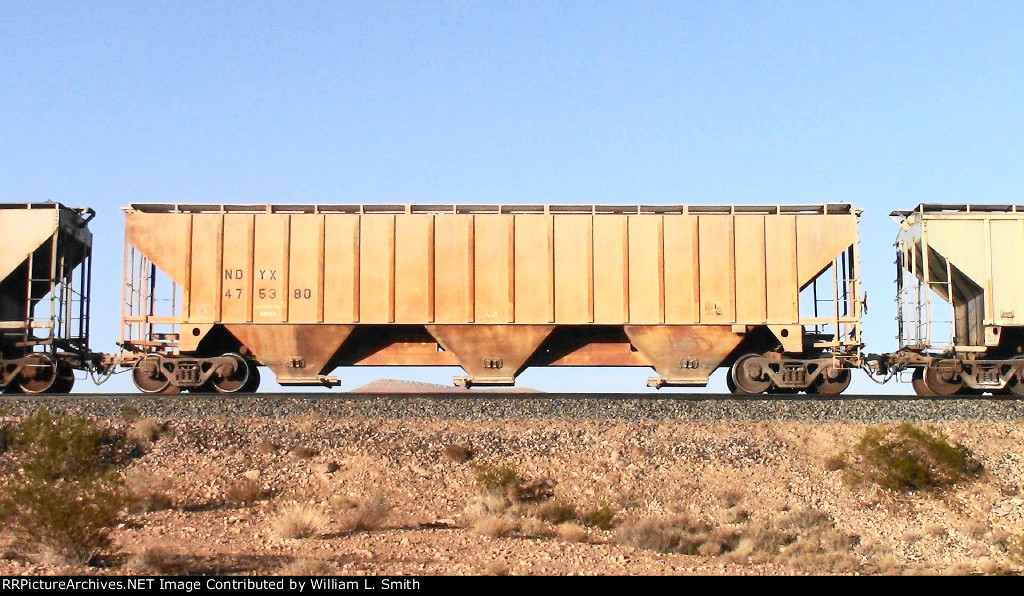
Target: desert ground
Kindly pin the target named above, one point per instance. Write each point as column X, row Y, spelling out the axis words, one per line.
column 317, row 494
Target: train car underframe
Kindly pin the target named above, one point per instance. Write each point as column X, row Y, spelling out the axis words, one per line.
column 225, row 357
column 964, row 371
column 755, row 359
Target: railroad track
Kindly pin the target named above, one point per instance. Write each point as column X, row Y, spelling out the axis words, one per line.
column 508, row 405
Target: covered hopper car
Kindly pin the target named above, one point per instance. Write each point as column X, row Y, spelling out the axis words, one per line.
column 213, row 290
column 45, row 269
column 961, row 299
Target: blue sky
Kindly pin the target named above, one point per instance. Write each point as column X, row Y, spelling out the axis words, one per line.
column 881, row 104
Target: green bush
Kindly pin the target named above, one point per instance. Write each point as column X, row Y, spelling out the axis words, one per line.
column 497, row 478
column 72, row 519
column 130, row 413
column 910, row 458
column 62, row 493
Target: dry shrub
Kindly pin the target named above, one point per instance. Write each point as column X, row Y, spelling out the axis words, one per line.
column 729, row 498
column 909, row 458
column 492, row 525
column 937, row 530
column 506, row 481
column 1013, row 545
column 533, row 527
column 835, row 462
column 744, row 550
column 959, row 568
column 976, row 529
column 484, row 512
column 978, row 550
column 300, row 522
column 555, row 512
column 487, row 504
column 149, row 492
column 674, row 534
column 887, row 565
column 62, row 495
column 988, row 566
column 824, row 547
column 602, row 516
column 147, row 430
column 805, row 540
column 535, row 491
column 735, row 515
column 342, row 503
column 243, row 491
column 459, row 454
column 368, row 514
column 572, row 532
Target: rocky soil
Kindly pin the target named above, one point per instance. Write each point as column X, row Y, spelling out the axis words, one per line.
column 416, row 491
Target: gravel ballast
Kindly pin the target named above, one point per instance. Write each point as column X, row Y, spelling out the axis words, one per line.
column 543, row 406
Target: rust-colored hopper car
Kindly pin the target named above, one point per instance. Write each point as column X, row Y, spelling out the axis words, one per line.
column 771, row 292
column 44, row 296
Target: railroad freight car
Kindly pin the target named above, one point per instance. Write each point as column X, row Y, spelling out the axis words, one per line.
column 45, row 267
column 961, row 299
column 213, row 291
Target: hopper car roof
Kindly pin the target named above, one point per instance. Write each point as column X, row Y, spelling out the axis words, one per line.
column 44, row 205
column 824, row 208
column 950, row 208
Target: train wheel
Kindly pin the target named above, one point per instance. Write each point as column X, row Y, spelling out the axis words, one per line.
column 747, row 376
column 254, row 379
column 65, row 378
column 917, row 382
column 1015, row 386
column 939, row 384
column 833, row 381
column 149, row 377
column 231, row 379
column 729, row 383
column 39, row 375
